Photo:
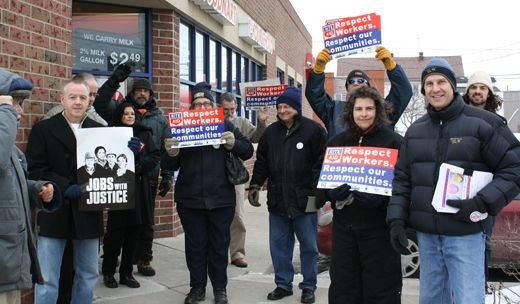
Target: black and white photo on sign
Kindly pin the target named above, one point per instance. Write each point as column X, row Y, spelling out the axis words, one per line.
column 105, row 168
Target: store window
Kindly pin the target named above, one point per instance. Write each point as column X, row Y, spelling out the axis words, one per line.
column 212, row 60
column 280, row 75
column 105, row 36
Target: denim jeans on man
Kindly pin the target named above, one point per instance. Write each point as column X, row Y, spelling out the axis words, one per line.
column 281, row 243
column 454, row 260
column 50, row 253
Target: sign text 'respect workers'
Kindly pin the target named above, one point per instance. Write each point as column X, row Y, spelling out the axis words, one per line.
column 366, row 169
column 261, row 96
column 347, row 36
column 197, row 127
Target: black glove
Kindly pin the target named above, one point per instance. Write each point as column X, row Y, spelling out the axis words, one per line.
column 368, row 200
column 164, row 186
column 253, row 196
column 134, row 144
column 339, row 193
column 121, row 73
column 74, row 192
column 398, row 237
column 470, row 210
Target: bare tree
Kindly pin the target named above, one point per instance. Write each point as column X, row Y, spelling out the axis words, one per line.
column 415, row 109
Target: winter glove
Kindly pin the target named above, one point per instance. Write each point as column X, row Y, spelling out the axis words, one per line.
column 339, row 193
column 168, row 143
column 121, row 73
column 229, row 137
column 385, row 56
column 321, row 61
column 134, row 144
column 164, row 186
column 470, row 210
column 398, row 237
column 368, row 200
column 74, row 192
column 253, row 196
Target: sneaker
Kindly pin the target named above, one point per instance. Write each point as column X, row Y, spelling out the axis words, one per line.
column 109, row 281
column 279, row 293
column 240, row 262
column 307, row 295
column 144, row 268
column 129, row 281
column 220, row 296
column 196, row 295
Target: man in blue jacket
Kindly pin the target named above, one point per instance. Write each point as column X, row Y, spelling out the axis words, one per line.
column 286, row 152
column 328, row 109
column 451, row 244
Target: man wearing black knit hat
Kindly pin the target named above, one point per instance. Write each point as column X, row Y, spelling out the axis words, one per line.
column 143, row 98
column 286, row 152
column 451, row 244
column 328, row 109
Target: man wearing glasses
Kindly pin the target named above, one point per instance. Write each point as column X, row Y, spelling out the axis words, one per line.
column 328, row 109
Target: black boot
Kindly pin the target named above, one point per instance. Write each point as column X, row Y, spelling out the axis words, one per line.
column 129, row 281
column 220, row 295
column 196, row 295
column 110, row 281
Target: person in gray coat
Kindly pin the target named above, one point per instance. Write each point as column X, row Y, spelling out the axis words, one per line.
column 18, row 254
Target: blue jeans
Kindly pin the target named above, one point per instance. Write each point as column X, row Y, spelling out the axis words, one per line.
column 281, row 243
column 454, row 260
column 50, row 253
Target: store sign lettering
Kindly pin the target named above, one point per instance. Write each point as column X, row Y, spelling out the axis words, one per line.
column 224, row 11
column 252, row 33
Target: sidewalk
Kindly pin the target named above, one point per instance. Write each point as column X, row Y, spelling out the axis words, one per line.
column 245, row 285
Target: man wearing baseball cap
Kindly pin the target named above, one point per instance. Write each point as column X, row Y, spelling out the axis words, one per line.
column 328, row 109
column 451, row 245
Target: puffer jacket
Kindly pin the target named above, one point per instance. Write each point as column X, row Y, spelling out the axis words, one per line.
column 17, row 196
column 286, row 157
column 202, row 182
column 328, row 109
column 459, row 135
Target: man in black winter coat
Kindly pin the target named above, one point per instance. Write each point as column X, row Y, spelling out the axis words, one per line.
column 451, row 244
column 51, row 155
column 286, row 152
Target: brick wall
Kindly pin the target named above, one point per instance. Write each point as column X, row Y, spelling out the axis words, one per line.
column 165, row 71
column 36, row 44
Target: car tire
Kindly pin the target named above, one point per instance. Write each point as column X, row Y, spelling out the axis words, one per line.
column 410, row 264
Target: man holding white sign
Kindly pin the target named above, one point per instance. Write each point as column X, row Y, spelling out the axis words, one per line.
column 328, row 109
column 451, row 245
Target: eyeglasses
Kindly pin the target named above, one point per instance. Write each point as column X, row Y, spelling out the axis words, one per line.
column 92, row 94
column 359, row 80
column 202, row 104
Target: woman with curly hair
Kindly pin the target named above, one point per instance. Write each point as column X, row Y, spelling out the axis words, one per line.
column 364, row 267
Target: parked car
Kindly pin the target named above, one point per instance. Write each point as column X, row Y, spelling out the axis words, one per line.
column 505, row 243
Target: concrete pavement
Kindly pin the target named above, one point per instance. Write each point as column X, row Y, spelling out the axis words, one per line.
column 246, row 285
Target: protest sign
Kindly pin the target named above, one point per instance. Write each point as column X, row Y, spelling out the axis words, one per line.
column 197, row 127
column 257, row 97
column 268, row 82
column 105, row 169
column 353, row 35
column 366, row 169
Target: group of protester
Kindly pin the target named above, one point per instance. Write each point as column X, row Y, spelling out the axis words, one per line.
column 369, row 230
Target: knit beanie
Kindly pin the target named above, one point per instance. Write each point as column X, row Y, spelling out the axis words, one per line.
column 439, row 66
column 480, row 77
column 291, row 96
column 142, row 83
column 357, row 73
column 202, row 89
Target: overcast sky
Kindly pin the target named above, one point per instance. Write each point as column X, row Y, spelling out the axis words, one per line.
column 484, row 33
